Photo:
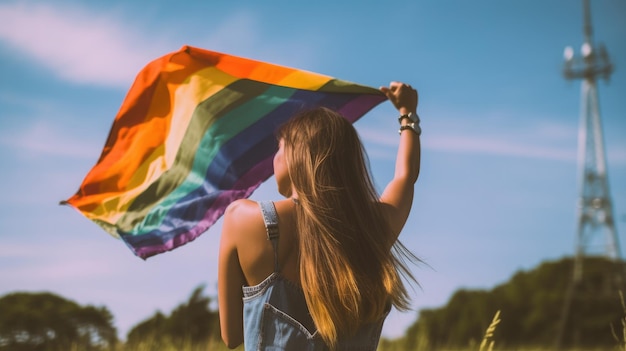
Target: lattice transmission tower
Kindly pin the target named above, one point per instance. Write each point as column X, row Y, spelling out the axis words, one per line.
column 596, row 231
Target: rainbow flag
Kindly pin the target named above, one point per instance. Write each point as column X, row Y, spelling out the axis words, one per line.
column 196, row 132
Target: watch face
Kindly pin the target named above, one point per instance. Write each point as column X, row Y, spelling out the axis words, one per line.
column 414, row 117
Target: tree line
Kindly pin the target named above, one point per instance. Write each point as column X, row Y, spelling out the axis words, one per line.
column 47, row 322
column 532, row 305
column 535, row 311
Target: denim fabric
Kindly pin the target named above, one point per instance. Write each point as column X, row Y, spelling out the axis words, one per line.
column 276, row 317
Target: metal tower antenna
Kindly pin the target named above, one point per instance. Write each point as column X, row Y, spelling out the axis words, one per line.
column 595, row 209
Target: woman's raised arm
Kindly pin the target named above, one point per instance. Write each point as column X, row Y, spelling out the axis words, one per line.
column 397, row 197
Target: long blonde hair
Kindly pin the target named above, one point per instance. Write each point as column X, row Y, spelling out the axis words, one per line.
column 351, row 266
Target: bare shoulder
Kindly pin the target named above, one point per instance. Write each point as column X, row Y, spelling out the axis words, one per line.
column 242, row 207
column 241, row 217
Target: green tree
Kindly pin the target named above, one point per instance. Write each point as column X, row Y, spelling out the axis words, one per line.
column 151, row 331
column 191, row 323
column 194, row 321
column 532, row 304
column 44, row 321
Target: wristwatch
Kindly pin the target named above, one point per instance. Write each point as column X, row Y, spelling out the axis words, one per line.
column 414, row 123
column 412, row 126
column 413, row 117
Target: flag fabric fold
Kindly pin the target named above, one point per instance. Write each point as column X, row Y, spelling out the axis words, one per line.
column 195, row 132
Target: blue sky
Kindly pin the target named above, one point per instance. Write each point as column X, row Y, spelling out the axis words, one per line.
column 499, row 180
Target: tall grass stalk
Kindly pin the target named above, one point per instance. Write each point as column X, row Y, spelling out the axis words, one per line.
column 621, row 341
column 488, row 342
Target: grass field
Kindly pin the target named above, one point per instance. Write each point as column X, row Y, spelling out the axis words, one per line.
column 488, row 343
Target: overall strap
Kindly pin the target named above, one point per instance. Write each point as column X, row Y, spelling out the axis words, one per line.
column 270, row 217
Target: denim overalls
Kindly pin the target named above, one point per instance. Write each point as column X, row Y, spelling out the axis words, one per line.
column 275, row 314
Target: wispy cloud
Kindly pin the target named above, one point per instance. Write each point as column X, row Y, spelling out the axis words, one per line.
column 76, row 44
column 537, row 140
column 240, row 34
column 60, row 264
column 497, row 145
column 44, row 138
column 550, row 141
column 102, row 48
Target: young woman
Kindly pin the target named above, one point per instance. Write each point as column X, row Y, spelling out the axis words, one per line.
column 321, row 269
